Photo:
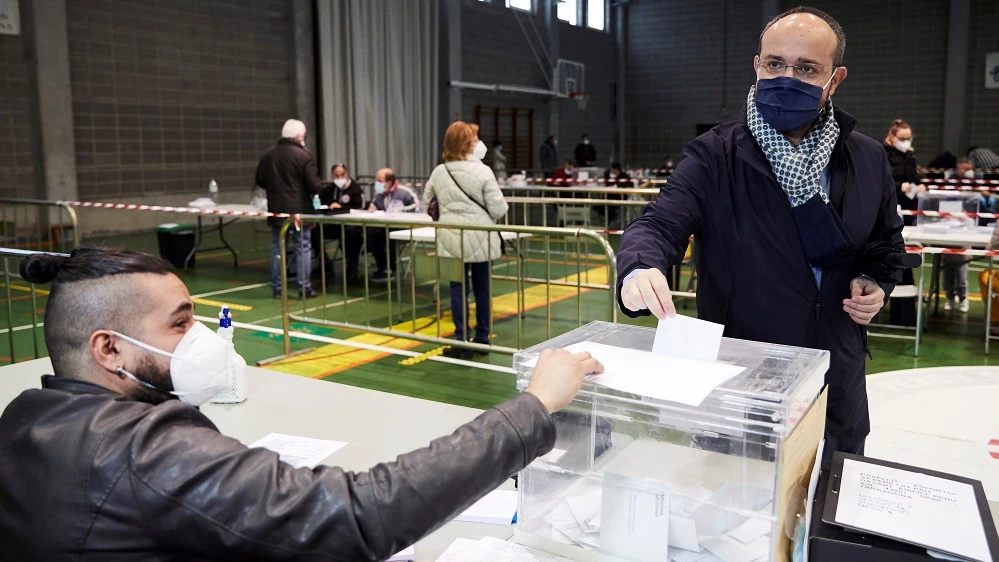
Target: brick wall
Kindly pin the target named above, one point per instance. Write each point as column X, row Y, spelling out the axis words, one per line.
column 982, row 119
column 495, row 50
column 16, row 169
column 896, row 55
column 168, row 95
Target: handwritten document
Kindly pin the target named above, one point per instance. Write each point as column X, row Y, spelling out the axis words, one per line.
column 916, row 508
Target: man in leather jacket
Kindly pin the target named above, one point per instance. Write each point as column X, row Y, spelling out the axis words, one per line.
column 98, row 465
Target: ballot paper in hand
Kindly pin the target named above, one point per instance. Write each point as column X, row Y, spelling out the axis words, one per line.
column 684, row 336
column 674, row 379
column 909, row 506
column 298, row 451
column 497, row 508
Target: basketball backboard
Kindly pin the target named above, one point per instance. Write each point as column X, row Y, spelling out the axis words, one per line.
column 570, row 77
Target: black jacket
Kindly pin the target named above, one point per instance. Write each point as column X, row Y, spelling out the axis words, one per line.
column 87, row 474
column 288, row 173
column 350, row 196
column 753, row 275
column 548, row 156
column 903, row 169
column 585, row 155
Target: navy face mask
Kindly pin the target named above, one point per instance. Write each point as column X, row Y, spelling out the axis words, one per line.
column 788, row 104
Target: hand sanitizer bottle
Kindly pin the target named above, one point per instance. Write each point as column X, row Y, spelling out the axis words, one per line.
column 213, row 191
column 316, row 203
column 236, row 392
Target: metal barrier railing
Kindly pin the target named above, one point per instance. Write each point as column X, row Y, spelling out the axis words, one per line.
column 607, row 216
column 575, row 251
column 11, row 258
column 31, row 224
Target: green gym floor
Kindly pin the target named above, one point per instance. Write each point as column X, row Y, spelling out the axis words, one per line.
column 952, row 338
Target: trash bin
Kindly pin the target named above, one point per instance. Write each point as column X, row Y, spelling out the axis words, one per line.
column 176, row 242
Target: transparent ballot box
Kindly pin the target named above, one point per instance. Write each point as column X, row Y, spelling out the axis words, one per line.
column 636, row 478
column 948, row 202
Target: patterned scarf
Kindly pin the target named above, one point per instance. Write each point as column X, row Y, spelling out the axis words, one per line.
column 798, row 170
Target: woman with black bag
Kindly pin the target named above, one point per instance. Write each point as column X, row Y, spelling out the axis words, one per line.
column 463, row 190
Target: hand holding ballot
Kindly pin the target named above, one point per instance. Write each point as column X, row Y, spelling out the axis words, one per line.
column 559, row 375
column 648, row 289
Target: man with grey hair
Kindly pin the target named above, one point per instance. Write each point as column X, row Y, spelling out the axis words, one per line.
column 289, row 175
column 794, row 214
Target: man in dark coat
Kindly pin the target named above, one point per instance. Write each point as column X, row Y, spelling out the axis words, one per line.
column 288, row 173
column 781, row 247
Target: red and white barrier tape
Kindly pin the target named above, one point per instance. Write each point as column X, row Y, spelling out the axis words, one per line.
column 959, row 181
column 906, row 212
column 945, row 170
column 169, row 209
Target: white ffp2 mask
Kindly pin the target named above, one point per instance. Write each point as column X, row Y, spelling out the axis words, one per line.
column 903, row 146
column 199, row 366
column 480, row 150
column 340, row 182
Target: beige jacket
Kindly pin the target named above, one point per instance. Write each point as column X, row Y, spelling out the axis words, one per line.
column 477, row 183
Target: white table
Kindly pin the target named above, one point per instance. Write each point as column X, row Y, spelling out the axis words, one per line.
column 200, row 230
column 377, row 426
column 427, row 235
column 976, row 237
column 362, row 214
column 941, row 418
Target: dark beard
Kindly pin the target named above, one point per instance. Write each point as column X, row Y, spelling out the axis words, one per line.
column 149, row 372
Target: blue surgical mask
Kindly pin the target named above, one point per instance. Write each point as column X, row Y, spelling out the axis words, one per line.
column 379, row 187
column 788, row 104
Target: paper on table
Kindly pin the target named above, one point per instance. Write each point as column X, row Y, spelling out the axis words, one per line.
column 298, row 451
column 674, row 379
column 916, row 508
column 684, row 336
column 461, row 550
column 497, row 508
column 407, row 555
column 492, row 549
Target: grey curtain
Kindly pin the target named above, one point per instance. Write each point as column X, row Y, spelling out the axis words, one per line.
column 378, row 65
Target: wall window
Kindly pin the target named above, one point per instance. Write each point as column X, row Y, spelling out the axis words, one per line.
column 567, row 11
column 520, row 4
column 595, row 14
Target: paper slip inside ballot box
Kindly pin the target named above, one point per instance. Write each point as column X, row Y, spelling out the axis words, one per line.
column 298, row 451
column 917, row 508
column 407, row 555
column 674, row 379
column 634, row 517
column 683, row 336
column 497, row 508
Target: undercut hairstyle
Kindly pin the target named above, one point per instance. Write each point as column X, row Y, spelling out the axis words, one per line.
column 836, row 27
column 92, row 289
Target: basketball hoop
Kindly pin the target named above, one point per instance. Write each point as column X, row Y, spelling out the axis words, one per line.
column 581, row 99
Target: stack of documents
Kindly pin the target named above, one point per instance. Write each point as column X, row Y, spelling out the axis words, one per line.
column 491, row 549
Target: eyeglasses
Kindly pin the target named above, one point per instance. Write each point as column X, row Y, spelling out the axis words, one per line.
column 807, row 72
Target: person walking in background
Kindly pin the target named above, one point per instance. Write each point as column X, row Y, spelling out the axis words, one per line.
column 548, row 154
column 467, row 193
column 289, row 175
column 586, row 154
column 391, row 197
column 498, row 161
column 898, row 146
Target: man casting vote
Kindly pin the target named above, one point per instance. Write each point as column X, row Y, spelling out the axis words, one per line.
column 784, row 205
column 112, row 460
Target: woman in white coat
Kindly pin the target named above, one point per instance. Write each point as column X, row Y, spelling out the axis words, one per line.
column 467, row 193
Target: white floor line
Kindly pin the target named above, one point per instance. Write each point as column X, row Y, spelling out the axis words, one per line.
column 232, row 290
column 315, row 308
column 359, row 345
column 20, row 328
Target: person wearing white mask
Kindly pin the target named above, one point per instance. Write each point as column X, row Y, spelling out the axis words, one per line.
column 585, row 153
column 342, row 195
column 467, row 193
column 391, row 196
column 103, row 462
column 898, row 146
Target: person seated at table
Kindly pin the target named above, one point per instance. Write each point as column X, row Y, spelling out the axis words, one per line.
column 391, row 197
column 963, row 170
column 615, row 176
column 467, row 193
column 112, row 460
column 563, row 176
column 342, row 195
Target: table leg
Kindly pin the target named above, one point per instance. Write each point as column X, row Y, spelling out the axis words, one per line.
column 235, row 257
column 919, row 306
column 988, row 310
column 935, row 284
column 197, row 244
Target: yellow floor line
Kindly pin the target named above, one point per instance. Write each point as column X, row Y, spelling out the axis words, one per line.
column 39, row 292
column 237, row 307
column 331, row 359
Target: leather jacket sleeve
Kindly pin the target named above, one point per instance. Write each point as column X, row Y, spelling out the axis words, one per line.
column 204, row 494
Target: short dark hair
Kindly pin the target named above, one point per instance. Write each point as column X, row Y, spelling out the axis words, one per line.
column 339, row 165
column 389, row 178
column 86, row 297
column 963, row 160
column 836, row 27
column 615, row 166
